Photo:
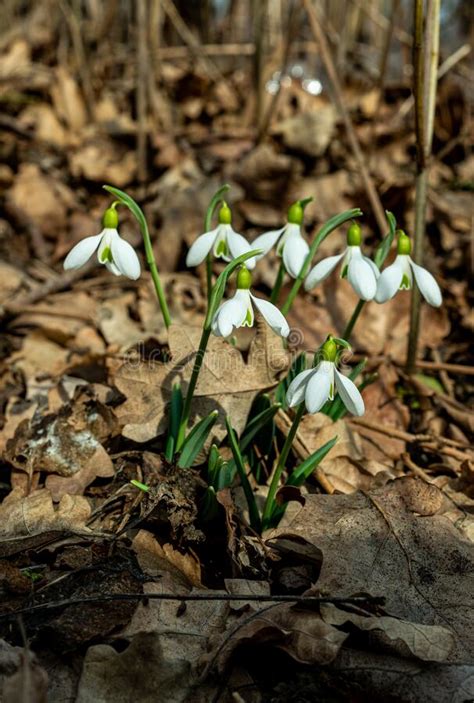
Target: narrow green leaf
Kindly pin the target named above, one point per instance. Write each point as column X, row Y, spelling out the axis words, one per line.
column 255, row 521
column 143, row 487
column 306, row 468
column 176, row 409
column 195, row 440
column 383, row 248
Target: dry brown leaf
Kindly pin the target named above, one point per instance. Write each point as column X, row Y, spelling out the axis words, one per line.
column 103, row 161
column 155, row 558
column 226, row 381
column 29, row 684
column 426, row 642
column 392, row 542
column 67, row 100
column 36, row 513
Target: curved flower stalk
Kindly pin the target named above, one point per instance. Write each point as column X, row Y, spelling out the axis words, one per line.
column 400, row 274
column 224, row 242
column 317, row 385
column 117, row 255
column 292, row 247
column 359, row 270
column 238, row 311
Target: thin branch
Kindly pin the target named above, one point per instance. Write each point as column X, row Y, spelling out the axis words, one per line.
column 328, row 61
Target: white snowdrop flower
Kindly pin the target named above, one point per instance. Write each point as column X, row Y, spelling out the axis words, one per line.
column 238, row 311
column 399, row 276
column 224, row 242
column 359, row 270
column 115, row 253
column 317, row 385
column 292, row 247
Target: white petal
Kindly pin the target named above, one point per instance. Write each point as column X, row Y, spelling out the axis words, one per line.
column 349, row 393
column 318, row 388
column 372, row 265
column 321, row 271
column 112, row 268
column 361, row 277
column 239, row 245
column 295, row 252
column 266, row 241
column 125, row 257
column 429, row 289
column 231, row 314
column 201, row 248
column 389, row 281
column 80, row 253
column 272, row 316
column 297, row 388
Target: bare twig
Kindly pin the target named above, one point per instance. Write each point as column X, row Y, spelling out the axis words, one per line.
column 141, row 88
column 425, row 65
column 182, row 598
column 328, row 61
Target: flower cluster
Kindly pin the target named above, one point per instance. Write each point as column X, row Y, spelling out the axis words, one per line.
column 314, row 386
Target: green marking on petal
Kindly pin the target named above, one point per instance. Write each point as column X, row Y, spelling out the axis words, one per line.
column 248, row 319
column 405, row 284
column 345, row 268
column 106, row 255
column 222, row 248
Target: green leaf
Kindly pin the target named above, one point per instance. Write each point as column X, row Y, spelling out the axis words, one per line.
column 256, row 424
column 430, row 382
column 219, row 287
column 176, row 409
column 209, row 505
column 306, row 468
column 255, row 521
column 143, row 487
column 300, row 475
column 195, row 440
column 383, row 248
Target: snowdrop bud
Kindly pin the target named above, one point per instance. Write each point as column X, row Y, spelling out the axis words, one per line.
column 329, row 350
column 110, row 217
column 244, row 278
column 354, row 236
column 404, row 243
column 225, row 214
column 295, row 213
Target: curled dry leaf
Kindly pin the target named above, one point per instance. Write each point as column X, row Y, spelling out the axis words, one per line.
column 36, row 513
column 392, row 542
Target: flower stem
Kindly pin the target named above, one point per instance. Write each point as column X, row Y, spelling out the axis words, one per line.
column 137, row 212
column 278, row 284
column 270, row 501
column 207, row 227
column 350, row 325
column 325, row 230
column 192, row 386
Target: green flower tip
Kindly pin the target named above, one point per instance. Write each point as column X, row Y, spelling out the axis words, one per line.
column 295, row 213
column 244, row 278
column 110, row 217
column 329, row 349
column 404, row 243
column 354, row 235
column 225, row 214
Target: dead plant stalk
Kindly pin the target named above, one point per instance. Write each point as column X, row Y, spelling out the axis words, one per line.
column 425, row 59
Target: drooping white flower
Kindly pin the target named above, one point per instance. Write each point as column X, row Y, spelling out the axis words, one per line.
column 117, row 255
column 318, row 385
column 399, row 276
column 359, row 270
column 238, row 311
column 292, row 247
column 224, row 241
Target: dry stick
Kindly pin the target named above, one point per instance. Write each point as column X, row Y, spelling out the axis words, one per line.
column 82, row 64
column 425, row 98
column 141, row 89
column 272, row 107
column 339, row 99
column 259, row 8
column 183, row 598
